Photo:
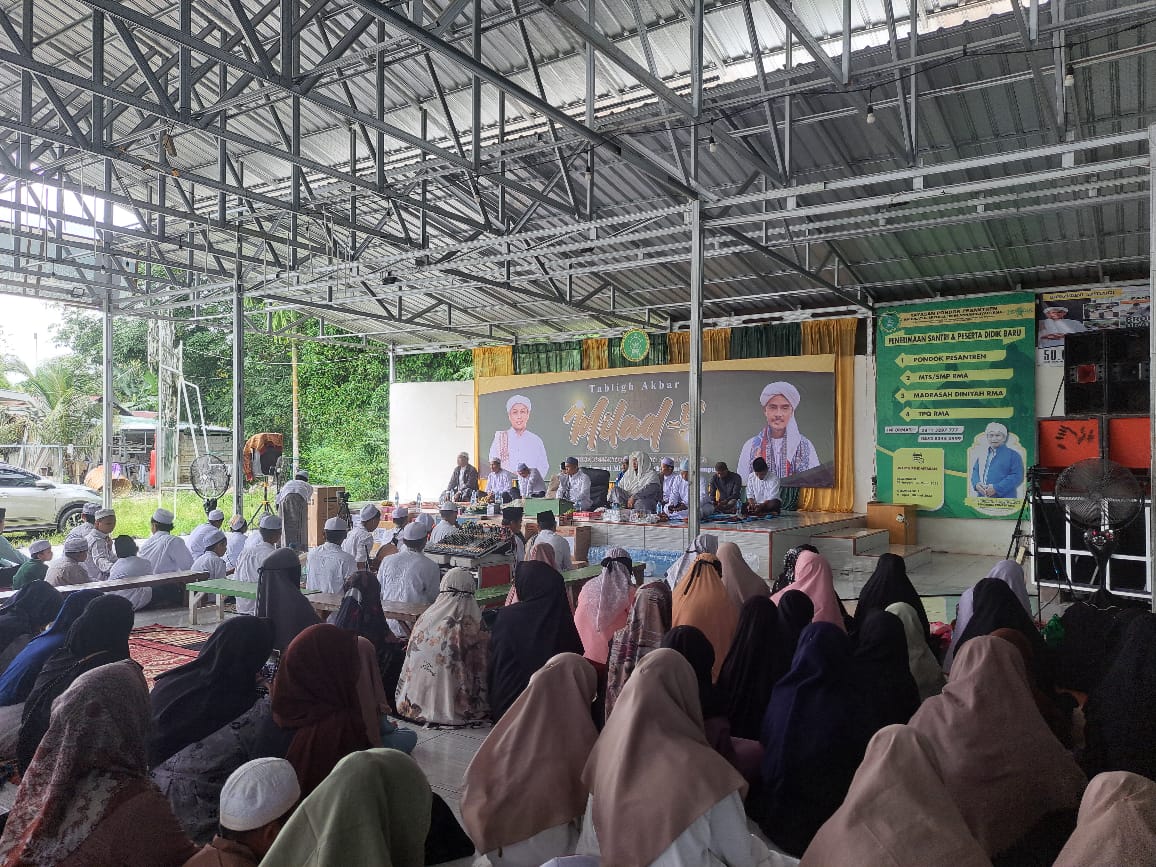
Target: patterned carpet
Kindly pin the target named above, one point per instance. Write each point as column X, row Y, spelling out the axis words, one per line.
column 162, row 648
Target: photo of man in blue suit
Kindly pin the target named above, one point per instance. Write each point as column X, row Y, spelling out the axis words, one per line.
column 999, row 470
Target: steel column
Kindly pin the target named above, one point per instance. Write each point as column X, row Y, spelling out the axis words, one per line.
column 238, row 387
column 1152, row 346
column 694, row 392
column 107, row 398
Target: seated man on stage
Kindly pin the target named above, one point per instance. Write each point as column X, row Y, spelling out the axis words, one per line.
column 464, row 479
column 530, row 481
column 762, row 491
column 639, row 488
column 498, row 482
column 575, row 486
column 675, row 489
column 725, row 489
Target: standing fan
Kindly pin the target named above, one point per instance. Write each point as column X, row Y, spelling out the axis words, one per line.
column 210, row 478
column 1101, row 497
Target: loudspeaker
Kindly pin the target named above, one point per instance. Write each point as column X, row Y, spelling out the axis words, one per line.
column 1106, row 371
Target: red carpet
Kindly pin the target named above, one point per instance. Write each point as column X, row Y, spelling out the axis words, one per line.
column 162, row 648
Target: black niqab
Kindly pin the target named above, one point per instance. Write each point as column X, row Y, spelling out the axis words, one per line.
column 696, row 648
column 887, row 585
column 757, row 659
column 280, row 599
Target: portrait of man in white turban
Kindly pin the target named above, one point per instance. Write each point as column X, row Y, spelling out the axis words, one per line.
column 517, row 444
column 780, row 443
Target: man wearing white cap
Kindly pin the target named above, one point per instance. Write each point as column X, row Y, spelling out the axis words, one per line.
column 87, row 519
column 328, row 566
column 37, row 567
column 1055, row 325
column 298, row 485
column 237, row 537
column 255, row 804
column 786, row 451
column 679, row 497
column 530, row 481
column 268, row 536
column 672, row 485
column 212, row 559
column 408, row 575
column 447, row 524
column 129, row 564
column 167, row 553
column 499, row 481
column 464, row 478
column 196, row 540
column 517, row 445
column 359, row 542
column 391, row 535
column 70, row 569
column 101, row 555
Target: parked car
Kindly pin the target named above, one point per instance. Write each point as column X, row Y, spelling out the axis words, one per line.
column 33, row 503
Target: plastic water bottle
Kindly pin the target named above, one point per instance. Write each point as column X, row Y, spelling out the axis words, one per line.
column 473, row 498
column 397, row 498
column 417, row 499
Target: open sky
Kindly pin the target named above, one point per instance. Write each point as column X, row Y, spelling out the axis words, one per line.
column 25, row 329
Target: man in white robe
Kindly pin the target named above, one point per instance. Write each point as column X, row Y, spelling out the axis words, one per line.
column 780, row 443
column 298, row 485
column 248, row 567
column 575, row 486
column 328, row 565
column 390, row 535
column 517, row 445
column 408, row 575
column 87, row 520
column 130, row 565
column 167, row 553
column 211, row 560
column 359, row 542
column 236, row 538
column 1055, row 325
column 499, row 481
column 101, row 555
column 547, row 535
column 69, row 569
column 447, row 524
column 196, row 540
column 762, row 490
column 530, row 482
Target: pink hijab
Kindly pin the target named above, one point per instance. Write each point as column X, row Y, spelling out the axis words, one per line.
column 813, row 577
column 604, row 606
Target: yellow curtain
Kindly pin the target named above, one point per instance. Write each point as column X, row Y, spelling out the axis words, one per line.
column 493, row 361
column 836, row 337
column 678, row 347
column 595, row 354
column 716, row 345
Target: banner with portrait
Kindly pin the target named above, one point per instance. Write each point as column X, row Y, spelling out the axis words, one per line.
column 1061, row 313
column 956, row 395
column 781, row 409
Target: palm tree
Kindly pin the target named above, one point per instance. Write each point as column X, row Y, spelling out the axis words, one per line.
column 64, row 411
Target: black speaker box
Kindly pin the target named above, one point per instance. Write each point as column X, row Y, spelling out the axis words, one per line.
column 1106, row 371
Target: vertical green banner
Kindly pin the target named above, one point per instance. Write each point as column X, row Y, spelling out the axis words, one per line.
column 956, row 399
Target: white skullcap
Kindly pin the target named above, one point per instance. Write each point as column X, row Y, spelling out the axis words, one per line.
column 684, row 466
column 400, row 512
column 257, row 793
column 516, row 399
column 214, row 538
column 668, row 462
column 369, row 512
column 447, row 506
column 75, row 545
column 1050, row 309
column 163, row 516
column 89, row 509
column 101, row 514
column 270, row 522
column 414, row 532
column 785, row 389
column 216, row 515
column 465, row 455
column 39, row 545
column 522, row 468
column 336, row 524
column 237, row 523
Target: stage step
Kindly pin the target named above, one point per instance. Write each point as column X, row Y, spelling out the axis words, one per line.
column 851, row 542
column 857, row 568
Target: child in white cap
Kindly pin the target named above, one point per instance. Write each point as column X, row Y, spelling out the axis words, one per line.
column 328, row 565
column 37, row 567
column 211, row 560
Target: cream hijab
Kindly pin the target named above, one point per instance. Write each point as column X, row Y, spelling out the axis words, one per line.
column 704, row 543
column 650, row 780
column 742, row 582
column 527, row 777
column 634, row 480
column 1117, row 823
column 897, row 812
column 1001, row 764
column 926, row 671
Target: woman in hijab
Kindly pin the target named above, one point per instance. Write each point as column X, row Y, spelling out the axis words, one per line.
column 896, row 812
column 796, row 612
column 1117, row 823
column 813, row 577
column 361, row 612
column 99, row 636
column 1010, row 573
column 757, row 659
column 640, row 487
column 538, row 554
column 704, row 543
column 443, row 680
column 889, row 584
column 604, row 605
column 660, row 793
column 887, row 691
column 742, row 582
column 1001, row 765
column 1120, row 730
column 649, row 621
column 206, row 715
column 787, row 576
column 921, row 662
column 1056, row 709
column 524, row 797
column 86, row 798
column 527, row 634
column 813, row 739
column 19, row 678
column 316, row 707
column 701, row 600
column 280, row 599
column 374, row 808
column 24, row 616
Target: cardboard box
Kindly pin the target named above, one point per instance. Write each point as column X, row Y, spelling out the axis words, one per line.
column 324, row 505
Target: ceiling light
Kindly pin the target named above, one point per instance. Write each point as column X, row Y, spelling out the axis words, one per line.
column 711, row 144
column 170, row 145
column 870, row 114
column 1069, row 77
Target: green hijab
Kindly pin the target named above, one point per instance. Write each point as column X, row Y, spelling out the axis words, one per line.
column 374, row 808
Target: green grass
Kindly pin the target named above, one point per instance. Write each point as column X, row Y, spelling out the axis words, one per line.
column 133, row 513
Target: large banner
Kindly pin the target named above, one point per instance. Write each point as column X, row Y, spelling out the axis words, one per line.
column 1062, row 313
column 956, row 396
column 782, row 409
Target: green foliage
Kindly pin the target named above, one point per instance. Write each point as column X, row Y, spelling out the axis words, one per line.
column 64, row 411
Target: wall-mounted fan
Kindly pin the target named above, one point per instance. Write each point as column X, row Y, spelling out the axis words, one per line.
column 1101, row 497
column 209, row 476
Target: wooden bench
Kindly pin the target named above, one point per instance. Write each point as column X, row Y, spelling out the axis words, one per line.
column 161, row 579
column 406, row 612
column 574, row 579
column 220, row 588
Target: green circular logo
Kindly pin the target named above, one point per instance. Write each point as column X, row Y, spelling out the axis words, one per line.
column 635, row 345
column 888, row 322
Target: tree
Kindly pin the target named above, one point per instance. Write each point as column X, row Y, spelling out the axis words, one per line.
column 64, row 409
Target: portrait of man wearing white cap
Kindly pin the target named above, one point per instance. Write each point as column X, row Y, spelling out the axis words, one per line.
column 268, row 537
column 1056, row 324
column 780, row 443
column 201, row 532
column 517, row 444
column 328, row 565
column 167, row 553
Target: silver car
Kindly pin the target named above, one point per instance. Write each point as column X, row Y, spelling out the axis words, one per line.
column 32, row 503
